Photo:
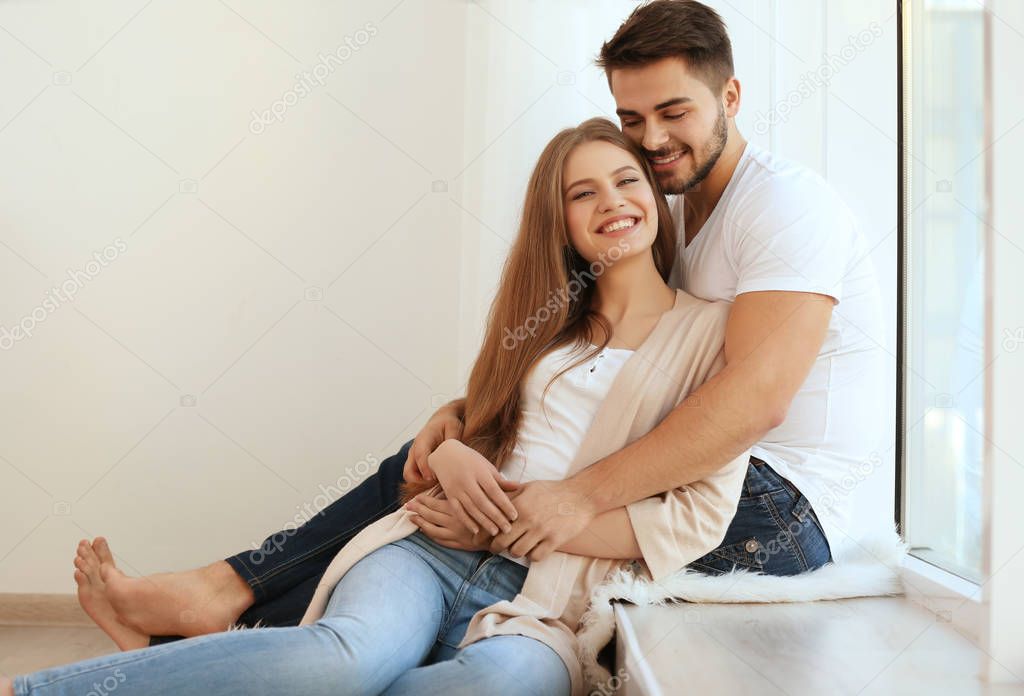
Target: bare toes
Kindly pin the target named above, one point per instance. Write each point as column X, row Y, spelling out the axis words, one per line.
column 88, row 554
column 109, row 573
column 102, row 550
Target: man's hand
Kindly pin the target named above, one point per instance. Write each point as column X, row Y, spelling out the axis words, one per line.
column 551, row 513
column 475, row 488
column 436, row 518
column 445, row 424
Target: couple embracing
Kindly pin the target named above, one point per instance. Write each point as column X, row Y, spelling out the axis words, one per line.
column 687, row 404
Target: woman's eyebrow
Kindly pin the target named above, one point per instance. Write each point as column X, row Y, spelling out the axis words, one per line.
column 586, row 181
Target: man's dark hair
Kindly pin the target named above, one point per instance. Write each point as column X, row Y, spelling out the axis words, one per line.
column 683, row 29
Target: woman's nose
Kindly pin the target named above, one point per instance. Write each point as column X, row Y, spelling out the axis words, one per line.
column 611, row 201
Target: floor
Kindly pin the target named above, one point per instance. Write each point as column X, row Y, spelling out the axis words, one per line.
column 28, row 648
column 870, row 646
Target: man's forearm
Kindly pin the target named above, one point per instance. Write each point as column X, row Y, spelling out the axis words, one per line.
column 713, row 426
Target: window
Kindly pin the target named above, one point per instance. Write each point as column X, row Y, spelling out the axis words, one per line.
column 943, row 200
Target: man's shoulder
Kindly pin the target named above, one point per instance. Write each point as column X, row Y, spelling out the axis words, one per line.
column 769, row 179
column 779, row 197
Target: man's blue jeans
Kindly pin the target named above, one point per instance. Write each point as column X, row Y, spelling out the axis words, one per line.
column 775, row 532
column 392, row 626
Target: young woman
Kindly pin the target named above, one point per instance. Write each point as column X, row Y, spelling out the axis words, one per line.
column 586, row 349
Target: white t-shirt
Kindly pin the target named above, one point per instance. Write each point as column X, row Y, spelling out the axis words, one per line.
column 548, row 438
column 779, row 226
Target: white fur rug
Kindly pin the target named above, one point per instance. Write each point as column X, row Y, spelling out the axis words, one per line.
column 871, row 569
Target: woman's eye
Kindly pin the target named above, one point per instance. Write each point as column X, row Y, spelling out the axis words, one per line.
column 580, row 195
column 630, row 180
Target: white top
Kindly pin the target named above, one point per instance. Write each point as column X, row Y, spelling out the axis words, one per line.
column 779, row 226
column 549, row 437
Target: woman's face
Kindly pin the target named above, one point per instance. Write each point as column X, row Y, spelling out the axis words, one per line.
column 608, row 203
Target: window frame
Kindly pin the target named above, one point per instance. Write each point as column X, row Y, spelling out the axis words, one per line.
column 927, row 582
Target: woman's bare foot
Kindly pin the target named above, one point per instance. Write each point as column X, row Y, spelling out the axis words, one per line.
column 95, row 604
column 190, row 603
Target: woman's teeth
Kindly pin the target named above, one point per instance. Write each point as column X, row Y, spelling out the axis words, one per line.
column 619, row 225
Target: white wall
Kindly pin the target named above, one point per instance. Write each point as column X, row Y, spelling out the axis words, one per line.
column 208, row 297
column 1002, row 637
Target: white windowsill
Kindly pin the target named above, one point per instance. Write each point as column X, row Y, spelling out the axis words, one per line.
column 950, row 597
column 870, row 645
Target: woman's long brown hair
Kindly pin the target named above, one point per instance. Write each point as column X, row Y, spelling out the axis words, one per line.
column 536, row 309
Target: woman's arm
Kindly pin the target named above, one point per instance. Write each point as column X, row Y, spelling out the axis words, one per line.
column 609, row 535
column 446, row 423
column 477, row 490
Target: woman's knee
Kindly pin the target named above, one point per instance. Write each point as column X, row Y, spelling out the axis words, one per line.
column 509, row 665
column 513, row 665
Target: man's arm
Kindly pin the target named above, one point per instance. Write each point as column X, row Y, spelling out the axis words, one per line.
column 772, row 340
column 609, row 535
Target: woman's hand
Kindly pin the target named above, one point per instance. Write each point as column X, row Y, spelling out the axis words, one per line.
column 474, row 487
column 436, row 518
column 445, row 424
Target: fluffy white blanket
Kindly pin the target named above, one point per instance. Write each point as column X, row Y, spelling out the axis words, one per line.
column 872, row 569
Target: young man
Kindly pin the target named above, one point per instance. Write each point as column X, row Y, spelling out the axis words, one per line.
column 798, row 390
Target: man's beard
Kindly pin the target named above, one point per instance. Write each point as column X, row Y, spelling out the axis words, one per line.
column 710, row 153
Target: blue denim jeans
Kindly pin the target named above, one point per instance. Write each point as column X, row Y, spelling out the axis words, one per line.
column 392, row 626
column 775, row 531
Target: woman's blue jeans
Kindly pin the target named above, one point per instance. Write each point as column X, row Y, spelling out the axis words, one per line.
column 392, row 626
column 775, row 532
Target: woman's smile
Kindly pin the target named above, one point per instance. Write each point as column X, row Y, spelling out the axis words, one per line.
column 620, row 226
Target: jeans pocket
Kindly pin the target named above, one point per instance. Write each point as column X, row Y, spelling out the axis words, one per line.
column 804, row 511
column 739, row 556
column 799, row 544
column 815, row 544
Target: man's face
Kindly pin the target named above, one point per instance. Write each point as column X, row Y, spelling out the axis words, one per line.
column 675, row 118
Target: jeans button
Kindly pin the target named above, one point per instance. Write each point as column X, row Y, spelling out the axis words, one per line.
column 751, row 546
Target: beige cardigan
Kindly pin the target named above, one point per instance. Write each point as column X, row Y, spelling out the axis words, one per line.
column 673, row 529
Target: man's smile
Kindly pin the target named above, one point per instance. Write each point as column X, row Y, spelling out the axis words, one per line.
column 667, row 162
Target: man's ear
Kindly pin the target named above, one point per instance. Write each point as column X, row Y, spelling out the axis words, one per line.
column 731, row 97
